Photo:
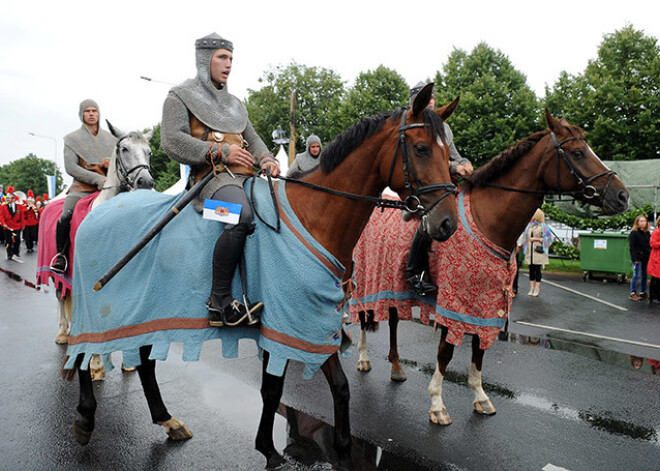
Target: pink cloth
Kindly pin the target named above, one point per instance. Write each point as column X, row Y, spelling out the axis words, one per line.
column 47, row 246
column 473, row 275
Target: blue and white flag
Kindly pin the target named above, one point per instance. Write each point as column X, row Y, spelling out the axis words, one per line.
column 50, row 181
column 222, row 211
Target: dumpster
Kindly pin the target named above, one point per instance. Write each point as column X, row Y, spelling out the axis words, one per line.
column 605, row 253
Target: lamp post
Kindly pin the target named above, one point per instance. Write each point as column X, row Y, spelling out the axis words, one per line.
column 149, row 79
column 54, row 145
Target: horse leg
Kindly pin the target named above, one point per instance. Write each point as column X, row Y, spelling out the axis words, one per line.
column 482, row 404
column 174, row 428
column 439, row 414
column 397, row 371
column 84, row 426
column 271, row 393
column 64, row 316
column 366, row 323
column 340, row 396
column 96, row 368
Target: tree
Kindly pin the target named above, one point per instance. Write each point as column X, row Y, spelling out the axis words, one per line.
column 164, row 170
column 497, row 107
column 318, row 95
column 29, row 173
column 374, row 91
column 617, row 99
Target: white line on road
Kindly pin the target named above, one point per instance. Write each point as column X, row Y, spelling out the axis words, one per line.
column 586, row 334
column 621, row 308
column 552, row 467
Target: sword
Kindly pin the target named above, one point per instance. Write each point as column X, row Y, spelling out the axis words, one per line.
column 174, row 210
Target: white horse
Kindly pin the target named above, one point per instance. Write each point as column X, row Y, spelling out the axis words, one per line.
column 128, row 170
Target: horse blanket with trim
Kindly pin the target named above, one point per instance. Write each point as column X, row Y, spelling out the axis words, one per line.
column 47, row 244
column 473, row 275
column 159, row 296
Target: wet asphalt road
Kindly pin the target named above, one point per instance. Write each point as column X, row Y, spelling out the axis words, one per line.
column 556, row 408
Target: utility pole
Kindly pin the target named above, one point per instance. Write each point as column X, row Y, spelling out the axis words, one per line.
column 292, row 126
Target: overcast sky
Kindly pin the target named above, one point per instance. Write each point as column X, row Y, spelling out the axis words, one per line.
column 55, row 54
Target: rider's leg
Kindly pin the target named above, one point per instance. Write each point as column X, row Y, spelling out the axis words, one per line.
column 223, row 308
column 417, row 268
column 60, row 262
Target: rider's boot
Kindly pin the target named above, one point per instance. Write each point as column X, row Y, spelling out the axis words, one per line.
column 224, row 310
column 59, row 264
column 418, row 265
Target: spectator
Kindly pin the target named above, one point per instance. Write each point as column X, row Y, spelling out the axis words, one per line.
column 640, row 250
column 537, row 243
column 307, row 160
column 653, row 268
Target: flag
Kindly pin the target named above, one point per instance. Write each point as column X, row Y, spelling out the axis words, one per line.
column 50, row 181
column 222, row 211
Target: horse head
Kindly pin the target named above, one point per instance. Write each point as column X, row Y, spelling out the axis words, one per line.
column 129, row 167
column 421, row 176
column 579, row 171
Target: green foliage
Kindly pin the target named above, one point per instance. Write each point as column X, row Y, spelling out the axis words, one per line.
column 374, row 91
column 616, row 99
column 318, row 93
column 621, row 221
column 29, row 173
column 565, row 250
column 497, row 107
column 164, row 170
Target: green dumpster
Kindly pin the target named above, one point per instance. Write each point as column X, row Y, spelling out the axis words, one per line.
column 606, row 253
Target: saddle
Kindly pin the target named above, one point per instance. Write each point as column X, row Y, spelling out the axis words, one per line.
column 100, row 168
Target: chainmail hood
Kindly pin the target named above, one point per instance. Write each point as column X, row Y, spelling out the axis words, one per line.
column 216, row 108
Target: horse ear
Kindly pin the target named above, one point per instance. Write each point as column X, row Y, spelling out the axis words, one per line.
column 446, row 111
column 115, row 131
column 148, row 134
column 553, row 123
column 422, row 99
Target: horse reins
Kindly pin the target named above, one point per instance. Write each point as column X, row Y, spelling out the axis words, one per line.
column 411, row 204
column 588, row 190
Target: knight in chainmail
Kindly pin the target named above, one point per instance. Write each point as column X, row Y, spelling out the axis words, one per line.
column 204, row 125
column 305, row 161
column 87, row 153
column 417, row 268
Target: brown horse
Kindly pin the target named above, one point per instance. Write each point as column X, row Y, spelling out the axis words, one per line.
column 404, row 150
column 500, row 197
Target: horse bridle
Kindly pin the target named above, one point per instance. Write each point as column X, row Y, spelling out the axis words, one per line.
column 588, row 191
column 126, row 177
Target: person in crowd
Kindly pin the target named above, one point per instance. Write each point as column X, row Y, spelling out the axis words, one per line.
column 31, row 222
column 12, row 218
column 653, row 267
column 520, row 255
column 417, row 267
column 538, row 239
column 87, row 153
column 204, row 125
column 307, row 160
column 2, row 200
column 640, row 250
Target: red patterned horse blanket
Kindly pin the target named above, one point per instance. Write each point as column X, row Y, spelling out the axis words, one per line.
column 474, row 276
column 47, row 246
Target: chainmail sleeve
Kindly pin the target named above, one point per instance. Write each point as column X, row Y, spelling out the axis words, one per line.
column 455, row 158
column 257, row 147
column 175, row 136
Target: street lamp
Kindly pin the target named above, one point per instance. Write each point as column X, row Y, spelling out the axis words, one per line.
column 149, row 79
column 54, row 145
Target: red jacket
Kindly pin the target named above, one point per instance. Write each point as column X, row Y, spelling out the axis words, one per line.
column 15, row 222
column 653, row 267
column 31, row 216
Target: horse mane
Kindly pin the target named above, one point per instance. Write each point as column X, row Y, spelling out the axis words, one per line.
column 350, row 139
column 502, row 162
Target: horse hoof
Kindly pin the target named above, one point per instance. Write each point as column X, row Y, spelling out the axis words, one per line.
column 62, row 339
column 484, row 407
column 364, row 365
column 440, row 417
column 127, row 369
column 81, row 433
column 96, row 369
column 398, row 376
column 176, row 429
column 277, row 463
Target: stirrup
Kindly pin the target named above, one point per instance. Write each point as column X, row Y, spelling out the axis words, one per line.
column 57, row 268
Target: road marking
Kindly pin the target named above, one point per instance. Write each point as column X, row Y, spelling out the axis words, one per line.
column 552, row 467
column 586, row 334
column 557, row 285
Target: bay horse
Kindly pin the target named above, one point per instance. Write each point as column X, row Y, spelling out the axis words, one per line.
column 328, row 206
column 474, row 295
column 127, row 170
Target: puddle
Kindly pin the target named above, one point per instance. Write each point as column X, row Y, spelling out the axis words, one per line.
column 610, row 357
